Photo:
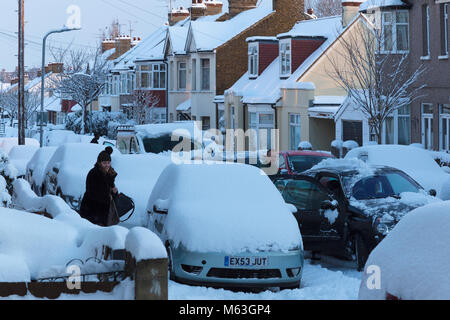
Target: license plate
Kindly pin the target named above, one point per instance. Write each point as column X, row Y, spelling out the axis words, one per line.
column 246, row 261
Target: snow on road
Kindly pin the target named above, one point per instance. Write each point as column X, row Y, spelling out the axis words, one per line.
column 318, row 283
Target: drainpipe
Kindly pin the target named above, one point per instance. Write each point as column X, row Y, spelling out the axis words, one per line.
column 167, row 91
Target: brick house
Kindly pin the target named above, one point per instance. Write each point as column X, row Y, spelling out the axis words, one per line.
column 215, row 55
column 421, row 28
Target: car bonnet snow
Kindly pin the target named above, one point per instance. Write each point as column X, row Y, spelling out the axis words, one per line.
column 224, row 208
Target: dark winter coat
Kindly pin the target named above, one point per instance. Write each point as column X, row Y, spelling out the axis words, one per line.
column 97, row 198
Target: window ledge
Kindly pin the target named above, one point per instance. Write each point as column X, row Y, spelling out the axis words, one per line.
column 443, row 57
column 425, row 58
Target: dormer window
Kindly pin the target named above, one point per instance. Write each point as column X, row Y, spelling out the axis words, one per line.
column 285, row 57
column 253, row 59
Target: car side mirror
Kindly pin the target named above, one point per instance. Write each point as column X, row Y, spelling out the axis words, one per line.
column 56, row 170
column 327, row 205
column 157, row 209
column 291, row 207
column 432, row 192
column 283, row 171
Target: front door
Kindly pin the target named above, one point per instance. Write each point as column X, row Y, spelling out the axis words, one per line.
column 316, row 224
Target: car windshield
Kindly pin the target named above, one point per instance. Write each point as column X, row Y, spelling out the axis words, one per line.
column 383, row 185
column 161, row 144
column 300, row 163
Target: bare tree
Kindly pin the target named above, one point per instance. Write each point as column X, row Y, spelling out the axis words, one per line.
column 9, row 103
column 378, row 82
column 324, row 8
column 142, row 104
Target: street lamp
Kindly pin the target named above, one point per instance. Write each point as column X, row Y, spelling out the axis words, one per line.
column 64, row 29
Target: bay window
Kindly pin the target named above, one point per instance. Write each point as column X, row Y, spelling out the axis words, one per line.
column 151, row 76
column 181, row 75
column 205, row 74
column 294, row 131
column 262, row 121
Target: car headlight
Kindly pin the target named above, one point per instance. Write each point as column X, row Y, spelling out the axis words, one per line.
column 382, row 228
column 383, row 225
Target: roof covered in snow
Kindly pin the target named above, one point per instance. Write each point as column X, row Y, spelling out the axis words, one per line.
column 209, row 34
column 150, row 48
column 372, row 4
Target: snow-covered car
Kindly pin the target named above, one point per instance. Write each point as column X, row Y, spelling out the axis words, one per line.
column 418, row 163
column 66, row 171
column 19, row 156
column 6, row 144
column 35, row 171
column 413, row 261
column 295, row 162
column 225, row 225
column 346, row 207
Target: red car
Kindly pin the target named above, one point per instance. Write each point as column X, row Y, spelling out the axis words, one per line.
column 295, row 162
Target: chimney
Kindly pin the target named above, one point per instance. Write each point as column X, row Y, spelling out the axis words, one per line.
column 55, row 67
column 107, row 44
column 350, row 9
column 310, row 13
column 213, row 7
column 237, row 6
column 198, row 9
column 178, row 15
column 122, row 45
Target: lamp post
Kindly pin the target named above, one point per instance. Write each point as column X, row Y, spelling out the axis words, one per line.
column 65, row 29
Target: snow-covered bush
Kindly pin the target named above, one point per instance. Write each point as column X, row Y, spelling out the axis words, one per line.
column 304, row 145
column 101, row 122
column 9, row 173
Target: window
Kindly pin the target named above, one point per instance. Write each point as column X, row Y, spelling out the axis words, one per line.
column 398, row 127
column 151, row 76
column 294, row 131
column 444, row 116
column 205, row 74
column 444, row 29
column 253, row 59
column 426, row 30
column 352, row 130
column 206, row 123
column 427, row 125
column 262, row 122
column 194, row 74
column 285, row 58
column 395, row 31
column 304, row 194
column 123, row 83
column 181, row 75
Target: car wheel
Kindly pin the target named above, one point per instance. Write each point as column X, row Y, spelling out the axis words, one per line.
column 361, row 252
column 170, row 263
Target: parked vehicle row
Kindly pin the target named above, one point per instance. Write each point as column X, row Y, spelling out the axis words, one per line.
column 230, row 225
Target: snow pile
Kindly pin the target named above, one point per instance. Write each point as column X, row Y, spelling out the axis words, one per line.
column 414, row 259
column 55, row 138
column 350, row 144
column 144, row 244
column 417, row 163
column 305, row 145
column 36, row 166
column 19, row 156
column 32, row 246
column 223, row 208
column 445, row 190
column 6, row 144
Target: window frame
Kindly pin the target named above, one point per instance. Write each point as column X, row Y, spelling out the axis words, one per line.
column 181, row 77
column 205, row 85
column 285, row 54
column 394, row 31
column 253, row 59
column 152, row 71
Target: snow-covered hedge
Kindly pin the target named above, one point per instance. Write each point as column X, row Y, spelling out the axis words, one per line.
column 104, row 123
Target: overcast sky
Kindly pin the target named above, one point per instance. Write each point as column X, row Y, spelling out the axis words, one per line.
column 42, row 16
